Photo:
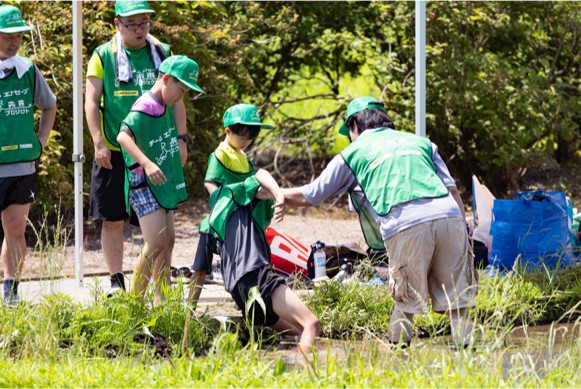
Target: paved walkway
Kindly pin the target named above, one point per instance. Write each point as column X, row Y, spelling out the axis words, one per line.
column 36, row 290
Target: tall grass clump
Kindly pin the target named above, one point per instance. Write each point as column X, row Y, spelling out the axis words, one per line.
column 50, row 237
column 561, row 288
column 351, row 310
column 177, row 322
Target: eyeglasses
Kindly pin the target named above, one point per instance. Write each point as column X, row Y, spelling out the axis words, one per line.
column 133, row 26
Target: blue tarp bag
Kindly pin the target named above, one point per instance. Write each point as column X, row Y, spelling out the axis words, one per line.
column 534, row 226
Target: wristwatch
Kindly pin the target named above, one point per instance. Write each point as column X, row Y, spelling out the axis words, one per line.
column 184, row 137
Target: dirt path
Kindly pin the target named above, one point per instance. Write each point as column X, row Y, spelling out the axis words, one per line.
column 306, row 226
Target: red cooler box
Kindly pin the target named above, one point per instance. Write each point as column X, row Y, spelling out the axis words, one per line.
column 287, row 255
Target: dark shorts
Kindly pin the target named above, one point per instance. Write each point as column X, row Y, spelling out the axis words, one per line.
column 207, row 247
column 17, row 190
column 267, row 281
column 108, row 191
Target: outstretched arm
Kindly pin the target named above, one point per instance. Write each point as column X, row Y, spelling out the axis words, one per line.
column 294, row 197
column 274, row 192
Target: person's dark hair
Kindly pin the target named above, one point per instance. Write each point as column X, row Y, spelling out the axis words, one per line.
column 369, row 119
column 245, row 130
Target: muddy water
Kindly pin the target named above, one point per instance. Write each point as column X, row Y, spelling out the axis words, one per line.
column 546, row 336
column 541, row 343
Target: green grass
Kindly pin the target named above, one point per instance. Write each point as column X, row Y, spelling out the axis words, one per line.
column 126, row 342
column 366, row 364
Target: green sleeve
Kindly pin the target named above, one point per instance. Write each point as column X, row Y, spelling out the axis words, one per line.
column 224, row 201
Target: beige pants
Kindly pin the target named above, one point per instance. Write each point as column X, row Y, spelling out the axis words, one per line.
column 433, row 259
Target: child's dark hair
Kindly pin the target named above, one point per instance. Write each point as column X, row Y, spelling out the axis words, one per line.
column 369, row 119
column 245, row 130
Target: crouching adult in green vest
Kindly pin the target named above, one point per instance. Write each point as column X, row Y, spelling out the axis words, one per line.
column 22, row 87
column 154, row 178
column 408, row 204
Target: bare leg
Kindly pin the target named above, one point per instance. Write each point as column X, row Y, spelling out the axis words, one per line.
column 112, row 243
column 196, row 286
column 14, row 244
column 142, row 270
column 161, row 276
column 292, row 310
column 153, row 231
column 400, row 327
column 287, row 328
column 461, row 326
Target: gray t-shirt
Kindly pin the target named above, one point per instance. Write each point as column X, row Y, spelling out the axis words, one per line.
column 244, row 248
column 337, row 178
column 43, row 99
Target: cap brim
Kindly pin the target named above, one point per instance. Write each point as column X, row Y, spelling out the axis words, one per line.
column 12, row 30
column 261, row 125
column 344, row 130
column 191, row 85
column 137, row 12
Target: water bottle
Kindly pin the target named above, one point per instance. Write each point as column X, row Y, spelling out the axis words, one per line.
column 319, row 259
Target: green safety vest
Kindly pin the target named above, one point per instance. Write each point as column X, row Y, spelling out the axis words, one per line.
column 392, row 168
column 18, row 140
column 157, row 138
column 234, row 190
column 118, row 98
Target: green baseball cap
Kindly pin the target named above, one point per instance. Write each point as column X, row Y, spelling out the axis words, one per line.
column 11, row 20
column 243, row 114
column 182, row 68
column 358, row 105
column 132, row 7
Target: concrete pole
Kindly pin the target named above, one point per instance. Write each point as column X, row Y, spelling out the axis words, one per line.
column 78, row 156
column 421, row 67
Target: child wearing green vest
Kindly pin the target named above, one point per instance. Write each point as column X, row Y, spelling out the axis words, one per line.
column 118, row 73
column 241, row 209
column 154, row 178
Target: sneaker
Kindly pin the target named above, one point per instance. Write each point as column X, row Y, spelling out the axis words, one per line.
column 173, row 274
column 115, row 289
column 117, row 284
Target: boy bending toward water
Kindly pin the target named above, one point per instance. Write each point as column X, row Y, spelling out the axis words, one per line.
column 154, row 174
column 240, row 212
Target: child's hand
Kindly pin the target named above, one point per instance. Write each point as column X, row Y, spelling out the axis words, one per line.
column 154, row 173
column 279, row 208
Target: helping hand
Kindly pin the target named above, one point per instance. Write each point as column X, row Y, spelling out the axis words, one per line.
column 278, row 209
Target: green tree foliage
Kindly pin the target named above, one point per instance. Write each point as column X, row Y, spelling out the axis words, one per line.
column 503, row 86
column 502, row 79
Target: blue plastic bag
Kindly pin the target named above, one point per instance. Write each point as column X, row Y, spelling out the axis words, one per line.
column 534, row 226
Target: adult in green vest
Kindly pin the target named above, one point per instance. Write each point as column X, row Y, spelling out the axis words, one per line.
column 118, row 73
column 22, row 87
column 408, row 204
